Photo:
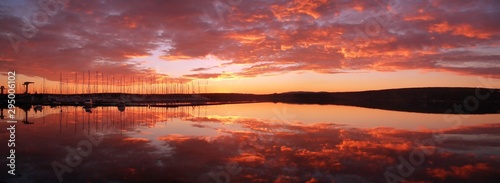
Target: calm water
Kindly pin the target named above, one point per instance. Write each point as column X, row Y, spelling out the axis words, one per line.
column 262, row 142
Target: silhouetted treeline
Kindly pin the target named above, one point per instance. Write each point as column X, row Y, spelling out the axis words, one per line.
column 429, row 100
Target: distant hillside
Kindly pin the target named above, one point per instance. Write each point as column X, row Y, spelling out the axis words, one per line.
column 430, row 100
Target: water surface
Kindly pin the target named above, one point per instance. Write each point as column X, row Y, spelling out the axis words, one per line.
column 259, row 142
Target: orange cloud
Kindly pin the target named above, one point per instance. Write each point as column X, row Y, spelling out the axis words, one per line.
column 461, row 29
column 418, row 17
column 175, row 138
column 308, row 7
column 249, row 38
column 462, row 172
column 130, row 139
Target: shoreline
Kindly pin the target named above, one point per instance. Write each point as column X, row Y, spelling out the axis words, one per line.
column 425, row 100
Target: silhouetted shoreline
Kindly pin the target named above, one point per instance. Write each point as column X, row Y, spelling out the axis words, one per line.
column 425, row 100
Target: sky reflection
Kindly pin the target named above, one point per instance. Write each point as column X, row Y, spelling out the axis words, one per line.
column 197, row 145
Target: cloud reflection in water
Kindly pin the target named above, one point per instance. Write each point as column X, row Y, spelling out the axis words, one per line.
column 182, row 145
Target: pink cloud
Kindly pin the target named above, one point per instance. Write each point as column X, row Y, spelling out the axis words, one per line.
column 315, row 35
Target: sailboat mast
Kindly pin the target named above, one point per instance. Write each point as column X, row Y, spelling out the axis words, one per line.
column 96, row 82
column 44, row 86
column 60, row 83
column 88, row 84
column 76, row 82
column 67, row 86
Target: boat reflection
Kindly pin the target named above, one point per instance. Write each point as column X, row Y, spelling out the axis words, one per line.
column 38, row 108
column 88, row 109
column 121, row 106
column 26, row 120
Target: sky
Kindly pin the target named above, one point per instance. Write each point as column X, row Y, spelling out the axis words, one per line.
column 255, row 46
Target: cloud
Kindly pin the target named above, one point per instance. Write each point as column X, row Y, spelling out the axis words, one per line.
column 201, row 69
column 461, row 172
column 314, row 35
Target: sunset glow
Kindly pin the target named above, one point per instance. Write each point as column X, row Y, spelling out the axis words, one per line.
column 250, row 91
